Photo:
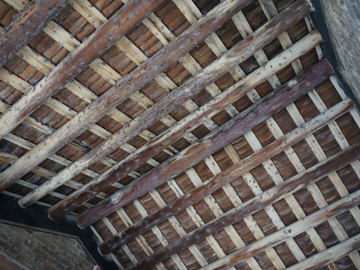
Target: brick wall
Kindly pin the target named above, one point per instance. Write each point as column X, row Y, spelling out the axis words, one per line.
column 41, row 250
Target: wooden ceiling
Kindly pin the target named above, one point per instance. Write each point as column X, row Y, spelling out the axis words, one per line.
column 189, row 134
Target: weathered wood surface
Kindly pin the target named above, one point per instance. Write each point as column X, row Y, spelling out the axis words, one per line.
column 211, row 73
column 214, row 141
column 127, row 85
column 27, row 25
column 175, row 132
column 225, row 177
column 272, row 195
column 331, row 254
column 104, row 37
column 294, row 229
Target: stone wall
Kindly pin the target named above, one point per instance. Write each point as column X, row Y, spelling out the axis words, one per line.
column 343, row 21
column 39, row 250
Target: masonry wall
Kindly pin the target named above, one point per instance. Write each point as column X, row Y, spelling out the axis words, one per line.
column 39, row 250
column 343, row 21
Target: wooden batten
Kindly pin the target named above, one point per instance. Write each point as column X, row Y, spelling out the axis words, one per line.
column 132, row 82
column 214, row 141
column 187, row 134
column 27, row 25
column 332, row 254
column 294, row 229
column 225, row 177
column 92, row 48
column 208, row 110
column 211, row 73
column 270, row 196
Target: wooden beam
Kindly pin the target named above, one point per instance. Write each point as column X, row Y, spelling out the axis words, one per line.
column 331, row 254
column 104, row 37
column 225, row 177
column 214, row 141
column 124, row 88
column 236, row 55
column 272, row 195
column 309, row 222
column 27, row 25
column 154, row 147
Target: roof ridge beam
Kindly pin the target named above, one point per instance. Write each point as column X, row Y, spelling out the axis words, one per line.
column 226, row 177
column 28, row 24
column 270, row 196
column 215, row 140
column 215, row 70
column 128, row 85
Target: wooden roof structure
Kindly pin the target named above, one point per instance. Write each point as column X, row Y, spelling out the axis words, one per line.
column 189, row 134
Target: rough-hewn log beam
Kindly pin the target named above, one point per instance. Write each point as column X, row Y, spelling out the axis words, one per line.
column 104, row 37
column 272, row 195
column 236, row 55
column 331, row 254
column 214, row 141
column 162, row 141
column 124, row 88
column 292, row 230
column 225, row 177
column 27, row 25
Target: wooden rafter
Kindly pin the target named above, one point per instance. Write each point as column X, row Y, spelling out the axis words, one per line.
column 87, row 52
column 27, row 25
column 292, row 230
column 274, row 194
column 134, row 81
column 214, row 141
column 225, row 177
column 158, row 144
column 236, row 55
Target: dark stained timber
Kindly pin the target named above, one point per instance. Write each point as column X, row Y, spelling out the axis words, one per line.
column 272, row 195
column 27, row 25
column 224, row 178
column 214, row 141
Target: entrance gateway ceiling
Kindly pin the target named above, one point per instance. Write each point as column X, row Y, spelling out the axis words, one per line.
column 189, row 134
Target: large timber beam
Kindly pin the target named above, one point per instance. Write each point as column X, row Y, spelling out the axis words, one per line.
column 128, row 85
column 27, row 25
column 331, row 254
column 272, row 195
column 211, row 73
column 211, row 108
column 225, row 177
column 293, row 230
column 102, row 39
column 212, row 142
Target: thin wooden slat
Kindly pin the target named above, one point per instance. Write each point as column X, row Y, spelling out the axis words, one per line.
column 237, row 54
column 212, row 142
column 27, row 25
column 272, row 195
column 132, row 82
column 92, row 48
column 342, row 205
column 225, row 177
column 208, row 110
column 330, row 255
